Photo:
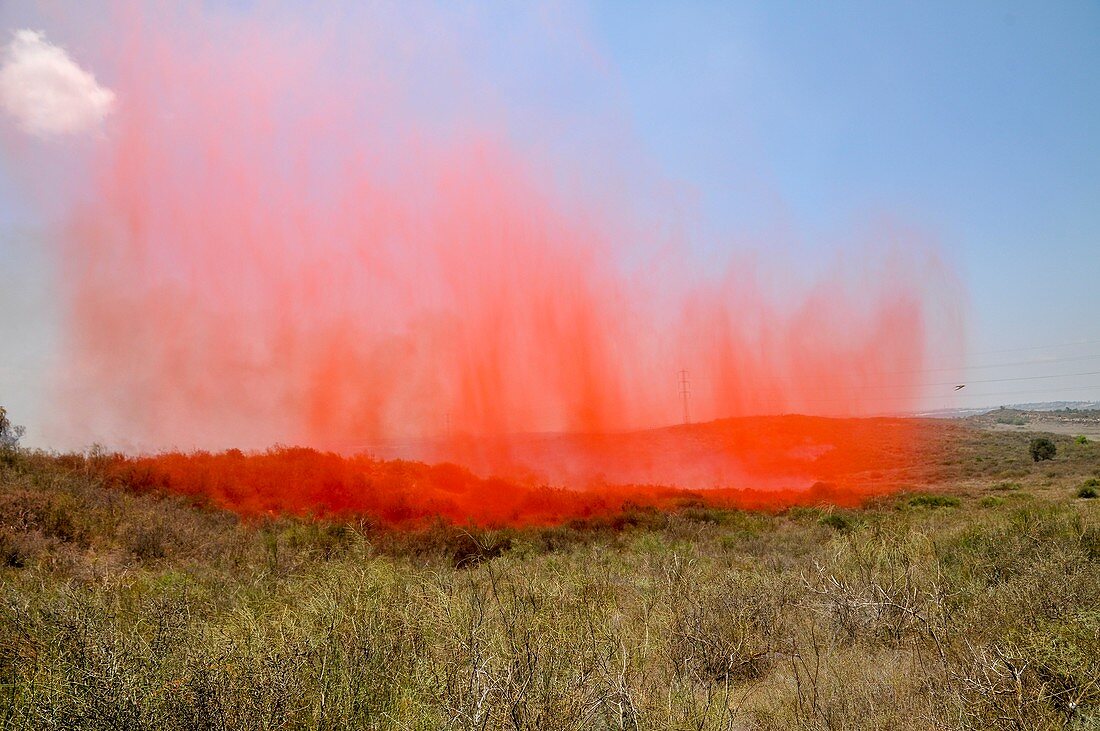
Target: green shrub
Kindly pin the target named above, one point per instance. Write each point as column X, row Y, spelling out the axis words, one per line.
column 933, row 501
column 836, row 521
column 1006, row 486
column 1042, row 448
column 1089, row 488
column 1082, row 439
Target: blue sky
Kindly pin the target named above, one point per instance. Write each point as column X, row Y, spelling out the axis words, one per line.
column 977, row 123
column 980, row 122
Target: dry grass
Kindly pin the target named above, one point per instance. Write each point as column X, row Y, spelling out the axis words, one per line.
column 971, row 602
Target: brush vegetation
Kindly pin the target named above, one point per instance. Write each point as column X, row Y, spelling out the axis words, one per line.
column 971, row 600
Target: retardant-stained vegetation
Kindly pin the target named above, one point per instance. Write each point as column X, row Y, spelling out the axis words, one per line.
column 970, row 599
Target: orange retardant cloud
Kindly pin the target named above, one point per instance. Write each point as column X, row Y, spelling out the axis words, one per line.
column 276, row 252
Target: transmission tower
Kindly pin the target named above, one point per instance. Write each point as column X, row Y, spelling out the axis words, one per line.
column 685, row 391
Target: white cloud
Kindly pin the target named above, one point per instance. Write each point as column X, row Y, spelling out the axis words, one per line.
column 46, row 92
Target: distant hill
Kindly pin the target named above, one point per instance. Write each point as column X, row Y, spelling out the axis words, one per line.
column 1044, row 406
column 761, row 452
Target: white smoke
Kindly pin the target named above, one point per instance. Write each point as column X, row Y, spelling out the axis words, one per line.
column 46, row 92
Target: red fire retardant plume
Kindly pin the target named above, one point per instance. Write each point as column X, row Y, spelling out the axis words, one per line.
column 275, row 250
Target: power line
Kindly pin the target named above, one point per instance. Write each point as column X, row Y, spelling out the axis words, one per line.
column 969, row 382
column 1036, row 347
column 960, row 369
column 876, row 399
column 964, row 381
column 970, row 395
column 1022, row 378
column 1040, row 390
column 956, row 369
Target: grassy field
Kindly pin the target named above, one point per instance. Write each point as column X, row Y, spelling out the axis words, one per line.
column 969, row 600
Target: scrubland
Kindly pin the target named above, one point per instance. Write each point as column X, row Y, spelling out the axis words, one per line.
column 968, row 599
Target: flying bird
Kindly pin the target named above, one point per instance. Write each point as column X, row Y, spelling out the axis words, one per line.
column 960, row 386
